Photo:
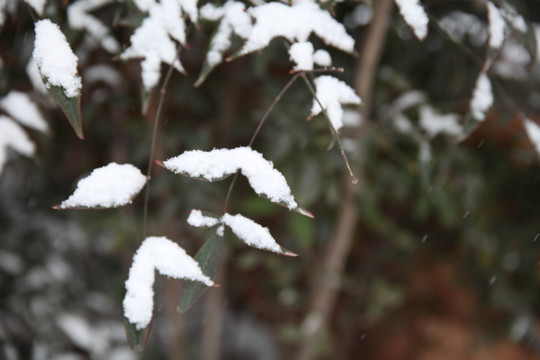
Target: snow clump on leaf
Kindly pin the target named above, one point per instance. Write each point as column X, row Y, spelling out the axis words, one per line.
column 165, row 256
column 56, row 61
column 14, row 137
column 482, row 98
column 20, row 107
column 414, row 16
column 332, row 93
column 109, row 186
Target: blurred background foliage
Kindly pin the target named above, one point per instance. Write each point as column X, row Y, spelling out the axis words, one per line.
column 445, row 259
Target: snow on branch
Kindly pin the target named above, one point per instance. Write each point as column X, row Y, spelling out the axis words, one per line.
column 220, row 163
column 109, row 186
column 19, row 106
column 332, row 93
column 14, row 137
column 304, row 57
column 496, row 26
column 295, row 23
column 80, row 18
column 434, row 123
column 533, row 132
column 196, row 218
column 56, row 61
column 482, row 97
column 414, row 16
column 165, row 256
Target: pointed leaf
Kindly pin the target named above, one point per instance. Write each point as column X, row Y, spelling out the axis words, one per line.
column 218, row 163
column 137, row 339
column 71, row 106
column 208, row 258
column 253, row 234
column 109, row 186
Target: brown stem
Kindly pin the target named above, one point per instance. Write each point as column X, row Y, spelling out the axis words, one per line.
column 325, row 290
column 162, row 92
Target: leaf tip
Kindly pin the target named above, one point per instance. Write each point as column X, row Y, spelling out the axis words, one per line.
column 160, row 163
column 57, row 207
column 305, row 212
column 289, row 253
column 215, row 285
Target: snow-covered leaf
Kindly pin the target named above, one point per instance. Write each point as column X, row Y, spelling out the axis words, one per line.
column 220, row 163
column 234, row 20
column 109, row 186
column 295, row 23
column 57, row 66
column 301, row 53
column 496, row 26
column 482, row 97
column 38, row 5
column 253, row 234
column 414, row 16
column 522, row 30
column 169, row 259
column 208, row 258
column 332, row 93
column 14, row 137
column 153, row 40
column 80, row 18
column 196, row 218
column 533, row 132
column 19, row 106
column 434, row 123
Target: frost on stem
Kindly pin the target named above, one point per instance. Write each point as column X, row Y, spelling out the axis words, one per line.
column 13, row 136
column 332, row 93
column 220, row 163
column 165, row 256
column 109, row 186
column 414, row 16
column 56, row 61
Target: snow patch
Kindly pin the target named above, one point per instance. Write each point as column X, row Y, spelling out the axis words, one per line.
column 482, row 98
column 197, row 219
column 56, row 61
column 19, row 106
column 533, row 132
column 414, row 15
column 14, row 137
column 496, row 26
column 434, row 123
column 251, row 233
column 109, row 186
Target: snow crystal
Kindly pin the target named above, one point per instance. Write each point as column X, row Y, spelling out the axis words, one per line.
column 496, row 26
column 251, row 233
column 533, row 132
column 197, row 219
column 414, row 15
column 56, row 62
column 482, row 98
column 219, row 163
column 13, row 136
column 20, row 107
column 38, row 5
column 332, row 93
column 434, row 123
column 295, row 23
column 165, row 256
column 322, row 58
column 301, row 54
column 79, row 17
column 109, row 186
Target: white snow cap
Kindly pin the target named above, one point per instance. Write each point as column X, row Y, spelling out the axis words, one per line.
column 109, row 186
column 14, row 137
column 20, row 107
column 165, row 256
column 414, row 15
column 496, row 26
column 434, row 123
column 301, row 54
column 56, row 61
column 332, row 93
column 219, row 163
column 295, row 23
column 252, row 233
column 482, row 98
column 533, row 132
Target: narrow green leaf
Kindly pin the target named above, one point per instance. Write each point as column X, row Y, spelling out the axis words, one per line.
column 71, row 106
column 137, row 339
column 208, row 257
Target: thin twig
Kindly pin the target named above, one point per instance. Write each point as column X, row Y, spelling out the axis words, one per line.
column 162, row 92
column 258, row 130
column 332, row 129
